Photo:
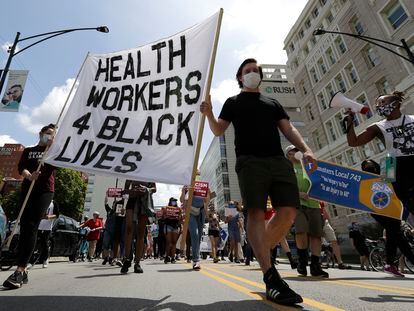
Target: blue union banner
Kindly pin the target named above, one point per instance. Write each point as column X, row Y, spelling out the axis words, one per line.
column 353, row 189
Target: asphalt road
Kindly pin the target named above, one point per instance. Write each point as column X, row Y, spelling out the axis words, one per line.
column 67, row 286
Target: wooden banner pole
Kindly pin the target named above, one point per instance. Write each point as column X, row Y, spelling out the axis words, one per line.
column 188, row 202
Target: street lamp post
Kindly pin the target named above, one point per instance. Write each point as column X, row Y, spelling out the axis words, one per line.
column 47, row 35
column 374, row 41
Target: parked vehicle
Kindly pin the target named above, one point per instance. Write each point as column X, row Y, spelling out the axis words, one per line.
column 63, row 242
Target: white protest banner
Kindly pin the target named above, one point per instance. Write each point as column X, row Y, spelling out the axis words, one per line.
column 14, row 90
column 135, row 113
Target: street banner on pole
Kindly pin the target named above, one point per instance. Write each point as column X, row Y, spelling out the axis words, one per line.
column 353, row 189
column 14, row 90
column 135, row 113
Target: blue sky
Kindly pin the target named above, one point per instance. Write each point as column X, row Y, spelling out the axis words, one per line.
column 250, row 29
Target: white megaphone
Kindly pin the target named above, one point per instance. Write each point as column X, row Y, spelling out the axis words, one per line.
column 340, row 101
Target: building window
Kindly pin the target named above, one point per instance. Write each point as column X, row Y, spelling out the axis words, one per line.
column 352, row 156
column 227, row 196
column 321, row 65
column 309, row 112
column 339, row 159
column 314, row 75
column 395, row 14
column 301, row 34
column 351, row 73
column 379, row 144
column 322, row 102
column 356, row 26
column 340, row 83
column 222, row 139
column 331, row 131
column 313, row 40
column 329, row 18
column 383, row 87
column 370, row 57
column 315, row 12
column 366, row 151
column 334, row 210
column 338, row 120
column 330, row 90
column 292, row 47
column 322, row 2
column 340, row 45
column 226, row 182
column 316, row 139
column 308, row 24
column 223, row 151
column 224, row 167
column 303, row 88
column 331, row 56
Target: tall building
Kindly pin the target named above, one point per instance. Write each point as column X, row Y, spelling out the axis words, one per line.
column 323, row 65
column 218, row 165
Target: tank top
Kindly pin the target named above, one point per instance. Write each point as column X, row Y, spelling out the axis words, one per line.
column 398, row 135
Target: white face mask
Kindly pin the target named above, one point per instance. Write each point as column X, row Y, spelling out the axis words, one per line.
column 251, row 80
column 44, row 138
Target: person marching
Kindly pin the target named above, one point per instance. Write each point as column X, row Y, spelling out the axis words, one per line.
column 172, row 218
column 138, row 208
column 233, row 226
column 37, row 204
column 213, row 230
column 262, row 169
column 308, row 222
column 96, row 225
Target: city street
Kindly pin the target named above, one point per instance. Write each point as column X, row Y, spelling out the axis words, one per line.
column 225, row 286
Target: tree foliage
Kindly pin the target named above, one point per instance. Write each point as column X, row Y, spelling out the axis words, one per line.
column 10, row 202
column 70, row 189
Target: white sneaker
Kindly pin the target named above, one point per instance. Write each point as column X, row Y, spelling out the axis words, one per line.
column 29, row 266
column 45, row 263
column 196, row 266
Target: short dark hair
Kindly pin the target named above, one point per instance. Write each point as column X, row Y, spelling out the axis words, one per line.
column 239, row 71
column 46, row 127
column 377, row 167
column 16, row 85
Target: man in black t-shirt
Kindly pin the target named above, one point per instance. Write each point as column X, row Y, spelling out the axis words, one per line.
column 262, row 169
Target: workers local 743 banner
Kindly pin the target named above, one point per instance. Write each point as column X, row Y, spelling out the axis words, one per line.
column 135, row 113
column 353, row 189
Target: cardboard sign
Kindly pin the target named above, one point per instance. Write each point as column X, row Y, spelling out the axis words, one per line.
column 200, row 189
column 114, row 192
column 172, row 212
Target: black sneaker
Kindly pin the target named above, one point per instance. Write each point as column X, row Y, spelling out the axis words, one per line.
column 167, row 259
column 173, row 260
column 137, row 268
column 105, row 261
column 237, row 260
column 294, row 264
column 342, row 266
column 317, row 271
column 302, row 269
column 231, row 258
column 125, row 266
column 15, row 280
column 278, row 291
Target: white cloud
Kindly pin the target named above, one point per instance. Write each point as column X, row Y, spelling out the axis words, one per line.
column 7, row 139
column 164, row 192
column 265, row 25
column 48, row 111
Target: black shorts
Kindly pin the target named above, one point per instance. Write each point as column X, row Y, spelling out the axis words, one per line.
column 260, row 178
column 214, row 233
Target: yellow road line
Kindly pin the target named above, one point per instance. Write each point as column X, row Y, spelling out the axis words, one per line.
column 389, row 289
column 306, row 301
column 366, row 285
column 247, row 292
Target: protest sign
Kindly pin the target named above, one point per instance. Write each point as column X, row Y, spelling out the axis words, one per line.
column 135, row 113
column 172, row 212
column 14, row 90
column 353, row 189
column 200, row 189
column 114, row 192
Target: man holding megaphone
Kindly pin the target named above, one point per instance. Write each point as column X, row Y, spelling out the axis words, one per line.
column 396, row 131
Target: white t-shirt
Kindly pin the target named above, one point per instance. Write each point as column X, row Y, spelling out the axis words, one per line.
column 46, row 224
column 398, row 135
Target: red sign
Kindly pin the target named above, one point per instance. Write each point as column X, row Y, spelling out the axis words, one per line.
column 114, row 192
column 200, row 189
column 172, row 212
